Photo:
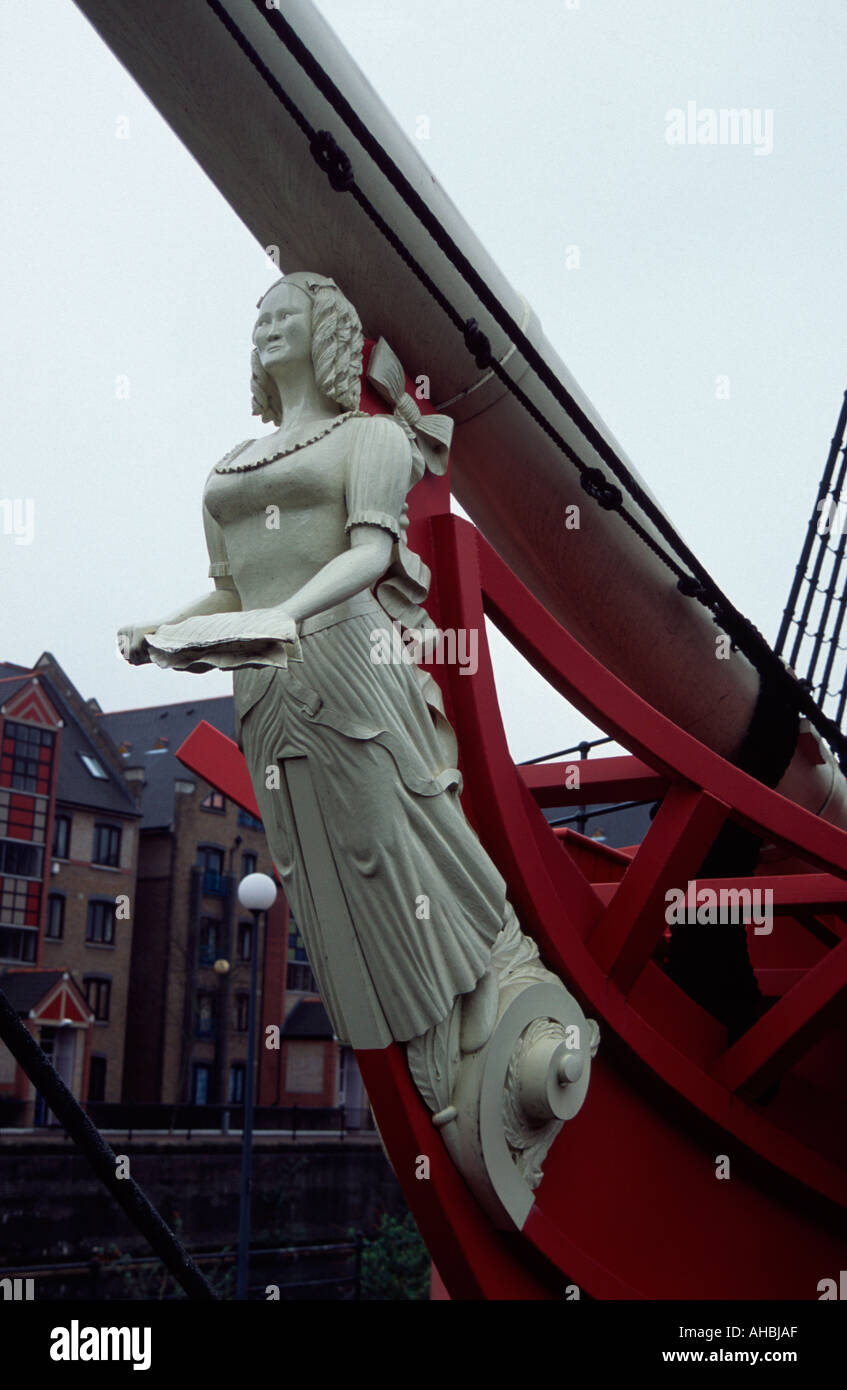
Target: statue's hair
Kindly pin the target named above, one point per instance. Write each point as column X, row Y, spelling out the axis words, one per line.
column 337, row 343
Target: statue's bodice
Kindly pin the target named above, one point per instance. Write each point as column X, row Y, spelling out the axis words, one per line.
column 282, row 521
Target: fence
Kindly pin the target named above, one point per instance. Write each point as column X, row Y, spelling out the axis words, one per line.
column 227, row 1119
column 337, row 1265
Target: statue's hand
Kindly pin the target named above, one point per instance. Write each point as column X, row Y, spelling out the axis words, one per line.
column 132, row 642
column 274, row 622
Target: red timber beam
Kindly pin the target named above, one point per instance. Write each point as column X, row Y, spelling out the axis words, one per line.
column 789, row 1028
column 705, row 789
column 738, row 1239
column 629, row 930
column 600, row 779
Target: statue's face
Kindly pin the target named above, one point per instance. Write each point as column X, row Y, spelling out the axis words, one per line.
column 283, row 331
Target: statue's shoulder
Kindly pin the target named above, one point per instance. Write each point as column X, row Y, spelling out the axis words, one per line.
column 380, row 432
column 374, row 423
column 232, row 454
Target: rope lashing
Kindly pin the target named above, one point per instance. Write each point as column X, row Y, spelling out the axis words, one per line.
column 332, row 159
column 477, row 343
column 598, row 486
column 691, row 587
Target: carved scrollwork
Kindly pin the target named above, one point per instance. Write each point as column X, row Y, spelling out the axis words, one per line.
column 504, row 1072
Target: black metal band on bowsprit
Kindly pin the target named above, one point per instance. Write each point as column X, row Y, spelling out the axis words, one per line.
column 771, row 738
column 100, row 1155
column 713, row 965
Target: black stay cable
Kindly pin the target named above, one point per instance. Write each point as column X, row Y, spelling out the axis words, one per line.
column 100, row 1155
column 694, row 581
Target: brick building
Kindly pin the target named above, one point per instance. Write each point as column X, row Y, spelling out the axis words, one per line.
column 118, row 894
column 68, row 834
column 187, row 1022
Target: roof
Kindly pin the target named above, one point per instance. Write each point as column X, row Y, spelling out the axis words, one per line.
column 9, row 686
column 152, row 735
column 308, row 1019
column 74, row 783
column 25, row 988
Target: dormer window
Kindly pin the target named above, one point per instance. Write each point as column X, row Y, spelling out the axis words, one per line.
column 93, row 767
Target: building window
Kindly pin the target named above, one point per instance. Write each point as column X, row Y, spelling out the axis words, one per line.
column 251, row 822
column 107, row 846
column 242, row 1012
column 22, row 817
column 98, row 992
column 93, row 767
column 201, row 1083
column 26, row 756
column 300, row 980
column 55, row 928
column 100, row 928
column 215, row 801
column 205, row 1026
column 20, row 860
column 16, row 944
column 97, row 1079
column 248, row 863
column 210, row 858
column 299, row 977
column 20, row 902
column 236, row 1083
column 61, row 837
column 208, row 952
column 245, row 940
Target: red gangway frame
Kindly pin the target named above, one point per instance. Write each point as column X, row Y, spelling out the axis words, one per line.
column 630, row 1205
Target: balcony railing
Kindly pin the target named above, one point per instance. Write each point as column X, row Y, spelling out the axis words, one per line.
column 216, row 885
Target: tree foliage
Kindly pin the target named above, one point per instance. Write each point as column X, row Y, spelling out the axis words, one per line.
column 395, row 1261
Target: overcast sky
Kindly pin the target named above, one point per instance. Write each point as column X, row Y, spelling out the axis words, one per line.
column 696, row 291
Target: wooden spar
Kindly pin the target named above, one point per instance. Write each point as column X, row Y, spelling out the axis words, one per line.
column 209, row 66
column 600, row 582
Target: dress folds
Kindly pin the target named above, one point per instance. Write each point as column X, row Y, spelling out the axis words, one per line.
column 425, row 901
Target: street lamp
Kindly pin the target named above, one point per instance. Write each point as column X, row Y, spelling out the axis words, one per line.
column 256, row 892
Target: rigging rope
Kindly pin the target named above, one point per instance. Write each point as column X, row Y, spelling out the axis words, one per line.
column 828, row 508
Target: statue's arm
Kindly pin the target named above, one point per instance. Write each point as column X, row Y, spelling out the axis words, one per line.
column 224, row 598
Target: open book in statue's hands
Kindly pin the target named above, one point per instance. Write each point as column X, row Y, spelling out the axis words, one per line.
column 257, row 637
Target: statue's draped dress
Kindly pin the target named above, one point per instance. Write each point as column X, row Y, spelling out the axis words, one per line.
column 422, row 901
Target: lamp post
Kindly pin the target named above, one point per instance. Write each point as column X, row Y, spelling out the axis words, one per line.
column 256, row 892
column 221, row 968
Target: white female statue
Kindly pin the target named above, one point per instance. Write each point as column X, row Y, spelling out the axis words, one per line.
column 352, row 761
